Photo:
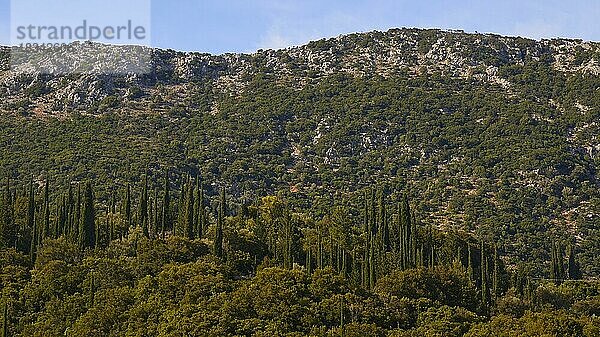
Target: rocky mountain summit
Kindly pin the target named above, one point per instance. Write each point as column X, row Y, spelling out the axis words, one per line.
column 409, row 52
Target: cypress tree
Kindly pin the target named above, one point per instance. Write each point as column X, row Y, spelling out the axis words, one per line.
column 110, row 228
column 143, row 216
column 366, row 213
column 9, row 232
column 372, row 266
column 31, row 224
column 400, row 231
column 373, row 216
column 87, row 232
column 484, row 276
column 557, row 268
column 561, row 264
column 33, row 246
column 385, row 230
column 113, row 203
column 495, row 276
column 166, row 211
column 60, row 217
column 529, row 290
column 413, row 238
column 196, row 208
column 573, row 268
column 70, row 211
column 319, row 246
column 188, row 212
column 331, row 249
column 128, row 207
column 309, row 260
column 218, row 243
column 554, row 263
column 181, row 208
column 432, row 248
column 77, row 225
column 156, row 220
column 408, row 246
column 470, row 264
column 31, row 207
column 201, row 213
column 150, row 224
column 287, row 242
column 344, row 262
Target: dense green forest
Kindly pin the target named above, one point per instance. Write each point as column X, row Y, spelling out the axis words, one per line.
column 406, row 183
column 180, row 262
column 483, row 164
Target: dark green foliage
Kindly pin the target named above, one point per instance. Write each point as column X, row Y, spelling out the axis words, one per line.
column 441, row 284
column 166, row 220
column 31, row 223
column 8, row 227
column 143, row 217
column 187, row 215
column 574, row 272
column 87, row 231
column 127, row 207
column 218, row 241
column 252, row 283
column 494, row 141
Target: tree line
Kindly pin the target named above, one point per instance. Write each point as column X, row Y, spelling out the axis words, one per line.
column 369, row 243
column 362, row 242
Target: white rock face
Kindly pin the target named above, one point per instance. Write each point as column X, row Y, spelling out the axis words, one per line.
column 398, row 51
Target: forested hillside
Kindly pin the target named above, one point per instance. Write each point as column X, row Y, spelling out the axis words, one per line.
column 288, row 191
column 167, row 265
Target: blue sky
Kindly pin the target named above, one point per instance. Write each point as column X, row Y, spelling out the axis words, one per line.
column 248, row 25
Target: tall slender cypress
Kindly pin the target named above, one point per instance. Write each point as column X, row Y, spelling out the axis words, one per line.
column 70, row 211
column 484, row 275
column 166, row 209
column 128, row 207
column 372, row 265
column 554, row 264
column 218, row 243
column 561, row 263
column 77, row 225
column 156, row 220
column 31, row 224
column 9, row 232
column 143, row 214
column 432, row 248
column 201, row 213
column 495, row 276
column 87, row 232
column 470, row 264
column 188, row 211
column 413, row 239
column 365, row 212
column 573, row 269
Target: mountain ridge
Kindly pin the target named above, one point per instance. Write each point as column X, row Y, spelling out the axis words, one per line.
column 451, row 53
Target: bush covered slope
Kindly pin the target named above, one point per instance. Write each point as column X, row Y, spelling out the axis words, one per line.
column 491, row 134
